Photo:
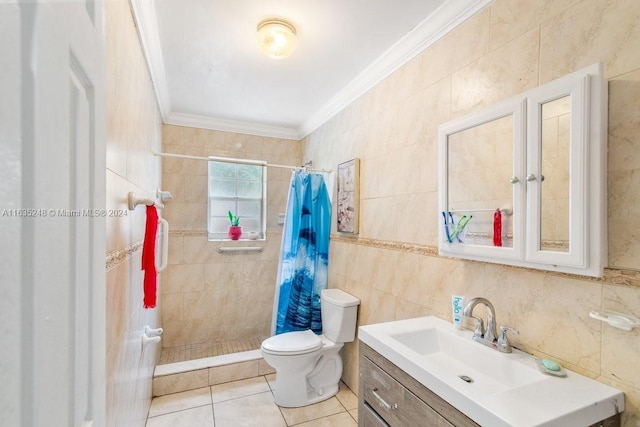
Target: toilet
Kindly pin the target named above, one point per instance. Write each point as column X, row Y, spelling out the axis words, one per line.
column 308, row 366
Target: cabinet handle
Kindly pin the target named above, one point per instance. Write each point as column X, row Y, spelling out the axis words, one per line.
column 382, row 402
column 514, row 180
column 531, row 177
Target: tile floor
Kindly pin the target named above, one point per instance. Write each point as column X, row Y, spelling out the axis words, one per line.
column 249, row 403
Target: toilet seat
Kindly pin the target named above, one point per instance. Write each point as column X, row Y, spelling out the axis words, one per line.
column 292, row 343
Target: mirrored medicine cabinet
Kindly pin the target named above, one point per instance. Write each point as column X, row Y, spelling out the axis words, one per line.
column 523, row 182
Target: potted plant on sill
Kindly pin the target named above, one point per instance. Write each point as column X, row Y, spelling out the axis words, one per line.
column 235, row 230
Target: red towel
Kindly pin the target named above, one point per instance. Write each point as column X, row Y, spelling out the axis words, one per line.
column 149, row 257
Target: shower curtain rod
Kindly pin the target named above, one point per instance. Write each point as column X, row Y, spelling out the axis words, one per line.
column 241, row 161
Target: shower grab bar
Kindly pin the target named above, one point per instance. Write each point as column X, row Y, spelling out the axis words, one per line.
column 164, row 257
column 222, row 249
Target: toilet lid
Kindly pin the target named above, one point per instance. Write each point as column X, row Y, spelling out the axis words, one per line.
column 293, row 342
column 339, row 298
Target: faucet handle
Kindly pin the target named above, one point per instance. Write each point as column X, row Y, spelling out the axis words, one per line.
column 503, row 342
column 479, row 329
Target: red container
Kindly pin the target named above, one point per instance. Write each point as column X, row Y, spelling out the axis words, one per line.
column 235, row 231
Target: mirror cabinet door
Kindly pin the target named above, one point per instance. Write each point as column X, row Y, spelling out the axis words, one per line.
column 481, row 163
column 557, row 148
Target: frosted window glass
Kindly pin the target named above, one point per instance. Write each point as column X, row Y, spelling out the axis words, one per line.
column 240, row 189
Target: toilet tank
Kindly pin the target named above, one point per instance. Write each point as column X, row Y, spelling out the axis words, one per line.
column 339, row 310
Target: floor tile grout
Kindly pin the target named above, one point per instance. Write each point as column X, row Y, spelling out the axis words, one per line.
column 270, row 390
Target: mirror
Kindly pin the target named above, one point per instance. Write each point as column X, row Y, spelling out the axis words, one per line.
column 480, row 164
column 481, row 158
column 540, row 159
column 554, row 189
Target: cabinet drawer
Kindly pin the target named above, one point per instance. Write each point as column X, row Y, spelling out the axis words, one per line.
column 393, row 402
column 371, row 419
column 612, row 421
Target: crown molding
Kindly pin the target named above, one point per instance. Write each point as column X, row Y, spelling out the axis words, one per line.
column 144, row 16
column 444, row 19
column 226, row 125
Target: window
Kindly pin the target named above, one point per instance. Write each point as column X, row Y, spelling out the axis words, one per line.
column 241, row 189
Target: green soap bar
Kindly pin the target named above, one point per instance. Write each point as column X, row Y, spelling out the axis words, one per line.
column 550, row 365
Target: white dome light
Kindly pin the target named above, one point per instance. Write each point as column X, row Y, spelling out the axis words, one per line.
column 276, row 38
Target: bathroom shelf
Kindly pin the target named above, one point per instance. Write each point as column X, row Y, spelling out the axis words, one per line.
column 506, row 210
column 222, row 249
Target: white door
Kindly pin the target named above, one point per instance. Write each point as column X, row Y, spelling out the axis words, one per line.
column 52, row 183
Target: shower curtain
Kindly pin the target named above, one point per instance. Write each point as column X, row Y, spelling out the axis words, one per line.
column 304, row 255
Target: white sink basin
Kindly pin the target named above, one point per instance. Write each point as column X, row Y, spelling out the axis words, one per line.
column 492, row 388
column 461, row 358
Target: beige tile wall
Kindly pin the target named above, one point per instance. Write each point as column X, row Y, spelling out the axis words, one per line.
column 208, row 296
column 133, row 129
column 507, row 48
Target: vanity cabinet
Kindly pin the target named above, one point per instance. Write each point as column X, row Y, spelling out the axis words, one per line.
column 390, row 397
column 527, row 178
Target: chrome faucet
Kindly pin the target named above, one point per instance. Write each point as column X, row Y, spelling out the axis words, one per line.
column 489, row 336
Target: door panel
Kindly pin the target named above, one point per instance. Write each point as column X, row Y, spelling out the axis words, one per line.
column 58, row 287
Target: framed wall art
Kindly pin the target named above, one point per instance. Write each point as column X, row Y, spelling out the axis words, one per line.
column 348, row 208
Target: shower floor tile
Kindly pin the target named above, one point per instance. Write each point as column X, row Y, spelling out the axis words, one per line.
column 202, row 350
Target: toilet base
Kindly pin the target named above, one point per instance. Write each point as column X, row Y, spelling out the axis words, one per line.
column 312, row 397
column 297, row 387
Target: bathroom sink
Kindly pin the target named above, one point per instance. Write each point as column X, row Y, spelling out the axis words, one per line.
column 490, row 387
column 458, row 358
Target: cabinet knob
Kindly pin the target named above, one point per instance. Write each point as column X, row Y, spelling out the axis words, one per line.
column 531, row 177
column 514, row 180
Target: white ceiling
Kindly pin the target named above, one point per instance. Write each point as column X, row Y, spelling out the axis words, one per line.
column 208, row 71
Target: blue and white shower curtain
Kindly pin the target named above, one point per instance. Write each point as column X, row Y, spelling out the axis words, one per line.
column 304, row 255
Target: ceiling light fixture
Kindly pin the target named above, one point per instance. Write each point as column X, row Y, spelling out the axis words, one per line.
column 276, row 38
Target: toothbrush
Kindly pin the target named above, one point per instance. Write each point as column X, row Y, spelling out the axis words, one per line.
column 457, row 229
column 454, row 227
column 462, row 226
column 446, row 227
column 466, row 222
